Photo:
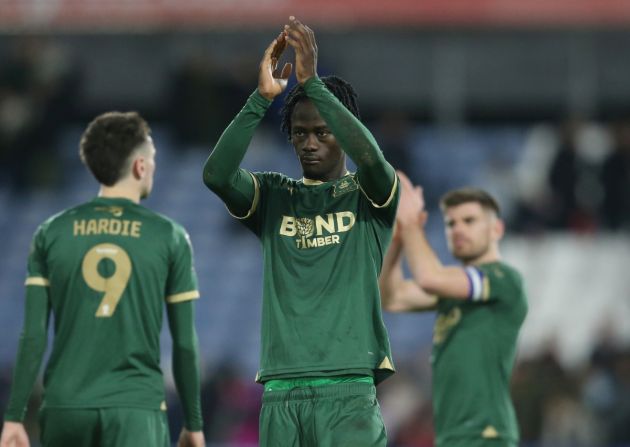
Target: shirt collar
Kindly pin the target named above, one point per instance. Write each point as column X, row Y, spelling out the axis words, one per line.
column 311, row 182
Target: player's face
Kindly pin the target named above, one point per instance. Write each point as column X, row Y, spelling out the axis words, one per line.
column 148, row 154
column 470, row 231
column 317, row 149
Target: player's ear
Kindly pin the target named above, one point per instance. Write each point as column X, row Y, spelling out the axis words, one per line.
column 138, row 168
column 498, row 228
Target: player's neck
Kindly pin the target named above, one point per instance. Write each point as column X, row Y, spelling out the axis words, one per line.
column 492, row 255
column 121, row 190
column 324, row 179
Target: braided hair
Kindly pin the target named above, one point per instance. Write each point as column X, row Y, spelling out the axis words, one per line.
column 342, row 89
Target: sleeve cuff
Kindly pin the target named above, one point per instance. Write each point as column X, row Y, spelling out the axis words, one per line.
column 14, row 416
column 185, row 296
column 389, row 200
column 313, row 83
column 36, row 281
column 252, row 209
column 194, row 426
column 260, row 100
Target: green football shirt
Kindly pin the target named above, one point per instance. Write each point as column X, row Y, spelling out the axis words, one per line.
column 109, row 266
column 474, row 346
column 323, row 246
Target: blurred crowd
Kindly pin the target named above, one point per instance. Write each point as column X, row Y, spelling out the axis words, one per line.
column 582, row 408
column 586, row 173
column 575, row 175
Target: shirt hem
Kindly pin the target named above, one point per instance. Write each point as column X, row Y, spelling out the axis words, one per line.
column 313, row 371
column 157, row 406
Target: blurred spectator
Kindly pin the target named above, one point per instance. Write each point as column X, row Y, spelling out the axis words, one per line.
column 393, row 133
column 599, row 388
column 615, row 179
column 567, row 423
column 571, row 205
column 230, row 405
column 405, row 401
column 38, row 82
column 496, row 175
column 534, row 383
column 203, row 98
column 532, row 201
column 620, row 427
column 417, row 431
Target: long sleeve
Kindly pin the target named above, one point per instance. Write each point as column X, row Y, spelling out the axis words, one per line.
column 221, row 172
column 376, row 175
column 186, row 369
column 30, row 351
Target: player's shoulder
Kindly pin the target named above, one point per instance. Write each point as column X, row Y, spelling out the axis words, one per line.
column 503, row 272
column 165, row 228
column 60, row 217
column 166, row 223
column 499, row 269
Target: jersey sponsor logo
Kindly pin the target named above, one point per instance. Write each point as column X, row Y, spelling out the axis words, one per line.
column 444, row 323
column 116, row 227
column 318, row 231
column 305, row 227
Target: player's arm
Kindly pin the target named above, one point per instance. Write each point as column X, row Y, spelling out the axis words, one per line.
column 426, row 268
column 31, row 350
column 397, row 293
column 221, row 172
column 181, row 293
column 186, row 369
column 376, row 176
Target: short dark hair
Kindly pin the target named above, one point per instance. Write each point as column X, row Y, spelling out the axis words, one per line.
column 466, row 195
column 339, row 87
column 108, row 142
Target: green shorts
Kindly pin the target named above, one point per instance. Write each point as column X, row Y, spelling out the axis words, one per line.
column 104, row 427
column 345, row 414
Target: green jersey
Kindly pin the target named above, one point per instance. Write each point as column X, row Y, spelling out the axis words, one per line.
column 323, row 246
column 474, row 346
column 109, row 266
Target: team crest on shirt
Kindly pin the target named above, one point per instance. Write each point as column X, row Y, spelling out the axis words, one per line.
column 444, row 323
column 345, row 185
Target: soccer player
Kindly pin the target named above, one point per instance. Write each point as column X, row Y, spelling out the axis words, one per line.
column 105, row 270
column 481, row 306
column 324, row 344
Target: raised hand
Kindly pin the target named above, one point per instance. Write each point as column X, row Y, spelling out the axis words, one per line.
column 411, row 207
column 302, row 39
column 271, row 81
